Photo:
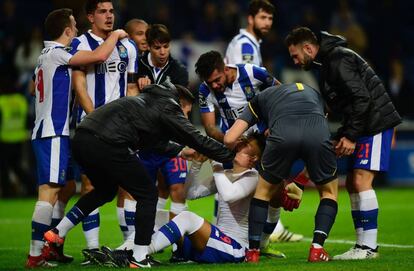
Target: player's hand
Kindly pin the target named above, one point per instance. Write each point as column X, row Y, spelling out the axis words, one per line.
column 344, row 147
column 187, row 154
column 291, row 197
column 143, row 81
column 199, row 157
column 121, row 33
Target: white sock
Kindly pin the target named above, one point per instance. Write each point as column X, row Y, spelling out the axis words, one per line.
column 130, row 207
column 41, row 220
column 92, row 234
column 161, row 203
column 177, row 207
column 369, row 202
column 279, row 227
column 273, row 215
column 355, row 202
column 58, row 212
column 140, row 252
column 120, row 211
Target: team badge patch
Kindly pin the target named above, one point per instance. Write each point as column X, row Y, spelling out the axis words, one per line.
column 122, row 51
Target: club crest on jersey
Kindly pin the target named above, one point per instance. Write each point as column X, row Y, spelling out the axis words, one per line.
column 248, row 92
column 122, row 51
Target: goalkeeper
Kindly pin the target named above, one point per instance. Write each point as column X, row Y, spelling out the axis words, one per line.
column 298, row 130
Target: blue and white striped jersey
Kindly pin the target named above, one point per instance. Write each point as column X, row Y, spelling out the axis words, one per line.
column 249, row 80
column 244, row 48
column 107, row 81
column 53, row 90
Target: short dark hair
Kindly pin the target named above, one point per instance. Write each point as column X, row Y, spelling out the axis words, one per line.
column 92, row 5
column 207, row 63
column 299, row 35
column 185, row 93
column 256, row 5
column 57, row 21
column 157, row 32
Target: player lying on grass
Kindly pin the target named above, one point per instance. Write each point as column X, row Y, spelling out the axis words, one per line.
column 199, row 240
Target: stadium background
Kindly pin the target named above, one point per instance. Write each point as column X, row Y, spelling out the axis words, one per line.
column 381, row 31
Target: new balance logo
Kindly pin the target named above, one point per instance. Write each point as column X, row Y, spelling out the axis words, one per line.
column 363, row 162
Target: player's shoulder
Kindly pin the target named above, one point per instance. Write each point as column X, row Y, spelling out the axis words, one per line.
column 203, row 89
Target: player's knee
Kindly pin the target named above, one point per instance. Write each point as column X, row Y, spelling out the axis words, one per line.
column 177, row 207
column 361, row 180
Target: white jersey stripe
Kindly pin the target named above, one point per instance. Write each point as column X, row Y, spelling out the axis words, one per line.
column 54, row 159
column 376, row 151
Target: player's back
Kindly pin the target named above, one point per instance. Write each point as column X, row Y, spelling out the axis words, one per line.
column 52, row 87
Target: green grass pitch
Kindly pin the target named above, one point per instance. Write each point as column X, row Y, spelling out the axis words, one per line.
column 396, row 235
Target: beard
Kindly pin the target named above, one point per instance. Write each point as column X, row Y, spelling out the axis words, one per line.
column 259, row 33
column 307, row 62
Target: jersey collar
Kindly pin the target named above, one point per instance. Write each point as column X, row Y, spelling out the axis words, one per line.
column 243, row 31
column 95, row 37
column 51, row 43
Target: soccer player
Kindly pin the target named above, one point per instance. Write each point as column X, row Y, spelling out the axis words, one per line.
column 96, row 85
column 136, row 29
column 50, row 138
column 104, row 145
column 298, row 128
column 155, row 67
column 351, row 88
column 228, row 88
column 227, row 240
column 245, row 47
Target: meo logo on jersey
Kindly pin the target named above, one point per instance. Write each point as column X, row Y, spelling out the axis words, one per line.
column 111, row 67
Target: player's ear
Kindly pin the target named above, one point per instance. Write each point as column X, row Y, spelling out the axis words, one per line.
column 250, row 20
column 90, row 18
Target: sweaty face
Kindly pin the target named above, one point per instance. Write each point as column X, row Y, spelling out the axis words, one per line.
column 262, row 23
column 217, row 81
column 160, row 53
column 300, row 57
column 103, row 17
column 138, row 35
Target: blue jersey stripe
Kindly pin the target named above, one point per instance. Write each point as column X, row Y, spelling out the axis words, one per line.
column 245, row 83
column 244, row 36
column 99, row 75
column 263, row 76
column 74, row 46
column 247, row 48
column 123, row 55
column 60, row 87
column 204, row 90
column 137, row 55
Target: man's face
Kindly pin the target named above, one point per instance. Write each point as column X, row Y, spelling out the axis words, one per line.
column 300, row 56
column 138, row 35
column 160, row 53
column 103, row 17
column 246, row 156
column 262, row 23
column 217, row 81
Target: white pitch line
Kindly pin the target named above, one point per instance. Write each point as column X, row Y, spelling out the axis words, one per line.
column 353, row 242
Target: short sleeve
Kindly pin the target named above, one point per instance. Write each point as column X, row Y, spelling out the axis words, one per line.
column 204, row 99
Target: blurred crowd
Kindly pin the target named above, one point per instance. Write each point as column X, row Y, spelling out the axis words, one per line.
column 382, row 31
